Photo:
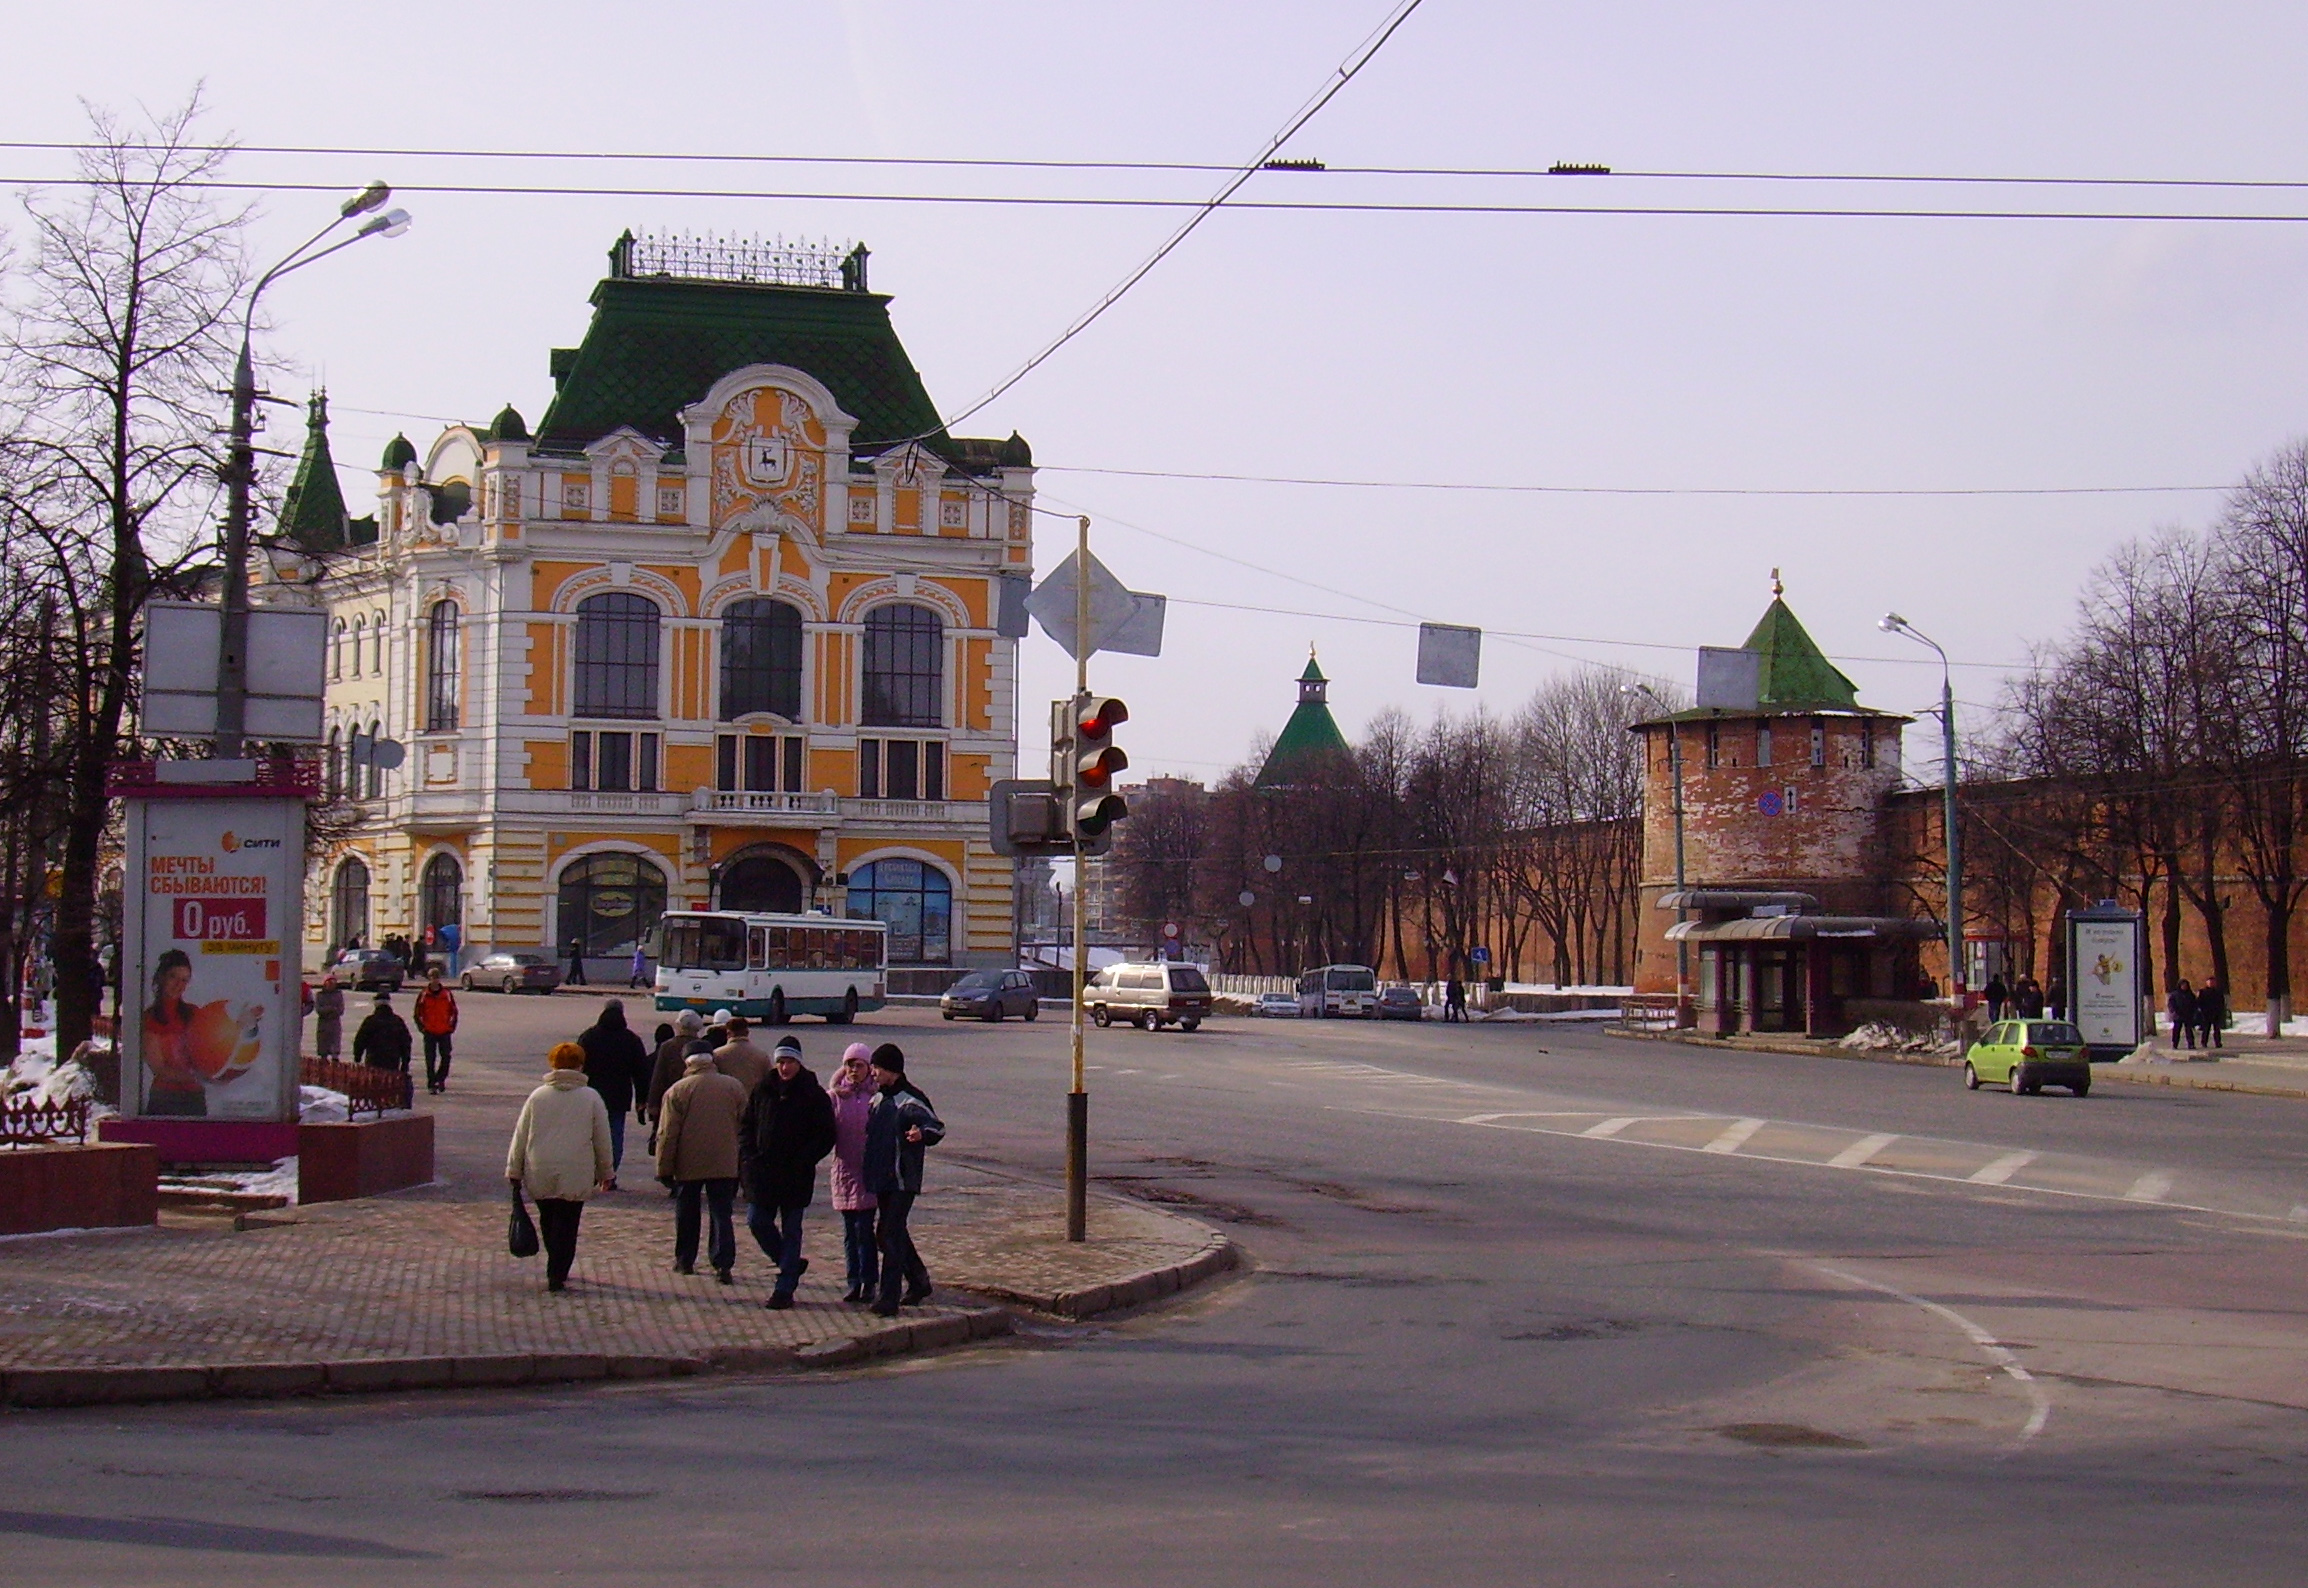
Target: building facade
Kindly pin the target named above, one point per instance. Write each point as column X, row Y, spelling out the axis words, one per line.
column 722, row 632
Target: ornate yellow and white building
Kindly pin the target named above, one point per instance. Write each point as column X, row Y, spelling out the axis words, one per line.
column 726, row 630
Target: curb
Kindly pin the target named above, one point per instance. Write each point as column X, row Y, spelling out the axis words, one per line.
column 45, row 1387
column 1218, row 1255
column 2133, row 1075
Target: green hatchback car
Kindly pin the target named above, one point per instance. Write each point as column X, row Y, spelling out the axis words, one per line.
column 2029, row 1055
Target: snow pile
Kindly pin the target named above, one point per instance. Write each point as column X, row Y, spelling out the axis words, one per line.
column 1876, row 1037
column 317, row 1105
column 278, row 1181
column 36, row 1076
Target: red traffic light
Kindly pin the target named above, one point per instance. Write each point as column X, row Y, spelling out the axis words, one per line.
column 1099, row 715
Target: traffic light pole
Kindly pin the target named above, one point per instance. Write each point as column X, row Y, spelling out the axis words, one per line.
column 1078, row 1097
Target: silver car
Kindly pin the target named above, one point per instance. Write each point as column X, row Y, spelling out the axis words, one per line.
column 513, row 972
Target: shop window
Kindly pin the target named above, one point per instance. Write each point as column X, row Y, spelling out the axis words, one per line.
column 914, row 900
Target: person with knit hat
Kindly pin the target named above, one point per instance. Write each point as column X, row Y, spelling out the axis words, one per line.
column 697, row 1155
column 560, row 1155
column 900, row 1126
column 788, row 1129
column 852, row 1094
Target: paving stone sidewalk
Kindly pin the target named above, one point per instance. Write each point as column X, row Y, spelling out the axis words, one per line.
column 404, row 1291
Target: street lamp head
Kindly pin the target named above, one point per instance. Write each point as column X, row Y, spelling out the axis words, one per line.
column 1891, row 623
column 390, row 224
column 369, row 198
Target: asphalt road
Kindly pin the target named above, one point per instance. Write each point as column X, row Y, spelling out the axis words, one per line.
column 1529, row 1305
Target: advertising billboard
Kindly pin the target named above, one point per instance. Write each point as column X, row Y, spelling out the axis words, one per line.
column 212, row 917
column 2104, row 952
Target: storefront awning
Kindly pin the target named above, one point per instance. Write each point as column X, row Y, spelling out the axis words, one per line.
column 1781, row 928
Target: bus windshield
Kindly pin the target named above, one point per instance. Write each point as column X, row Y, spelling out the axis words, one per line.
column 1352, row 978
column 703, row 943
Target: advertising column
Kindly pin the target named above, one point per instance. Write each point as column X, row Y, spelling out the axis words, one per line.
column 2104, row 956
column 212, row 917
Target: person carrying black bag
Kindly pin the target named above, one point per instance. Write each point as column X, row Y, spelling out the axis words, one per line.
column 560, row 1156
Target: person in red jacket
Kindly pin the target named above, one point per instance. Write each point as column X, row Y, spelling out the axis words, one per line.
column 437, row 1022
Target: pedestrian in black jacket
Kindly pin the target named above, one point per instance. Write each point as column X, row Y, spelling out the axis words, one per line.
column 383, row 1040
column 788, row 1130
column 616, row 1066
column 670, row 1053
column 2180, row 1003
column 900, row 1125
column 2211, row 1013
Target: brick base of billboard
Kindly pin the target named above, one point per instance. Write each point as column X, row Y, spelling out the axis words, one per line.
column 103, row 1185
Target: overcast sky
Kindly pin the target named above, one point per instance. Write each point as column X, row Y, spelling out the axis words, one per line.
column 1619, row 351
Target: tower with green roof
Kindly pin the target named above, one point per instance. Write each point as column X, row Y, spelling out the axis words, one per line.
column 312, row 511
column 1310, row 747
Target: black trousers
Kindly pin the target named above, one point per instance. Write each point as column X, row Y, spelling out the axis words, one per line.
column 557, row 1230
column 901, row 1264
column 718, row 1197
column 576, row 976
column 436, row 1059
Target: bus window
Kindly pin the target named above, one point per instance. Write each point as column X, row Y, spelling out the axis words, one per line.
column 679, row 948
column 780, row 949
column 757, row 947
column 703, row 943
column 724, row 944
column 1353, row 978
column 817, row 946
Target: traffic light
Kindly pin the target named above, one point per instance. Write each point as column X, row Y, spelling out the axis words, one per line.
column 1094, row 759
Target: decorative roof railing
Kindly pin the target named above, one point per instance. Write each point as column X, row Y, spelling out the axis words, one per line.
column 775, row 262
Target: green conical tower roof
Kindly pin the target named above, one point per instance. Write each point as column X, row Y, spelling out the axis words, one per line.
column 1310, row 739
column 1795, row 675
column 312, row 513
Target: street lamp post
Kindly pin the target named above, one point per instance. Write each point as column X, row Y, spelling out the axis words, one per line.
column 1675, row 773
column 1893, row 623
column 240, row 465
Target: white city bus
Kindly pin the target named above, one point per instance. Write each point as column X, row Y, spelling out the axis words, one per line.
column 1337, row 990
column 770, row 967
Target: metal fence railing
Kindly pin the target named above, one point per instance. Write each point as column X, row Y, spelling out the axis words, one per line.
column 27, row 1122
column 366, row 1089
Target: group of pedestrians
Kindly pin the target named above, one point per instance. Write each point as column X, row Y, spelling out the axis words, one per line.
column 383, row 1040
column 2025, row 999
column 726, row 1117
column 2198, row 1014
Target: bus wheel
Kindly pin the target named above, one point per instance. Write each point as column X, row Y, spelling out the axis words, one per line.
column 848, row 1009
column 777, row 1014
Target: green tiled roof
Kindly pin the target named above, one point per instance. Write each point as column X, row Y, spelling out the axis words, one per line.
column 1795, row 675
column 400, row 452
column 312, row 512
column 658, row 343
column 1310, row 740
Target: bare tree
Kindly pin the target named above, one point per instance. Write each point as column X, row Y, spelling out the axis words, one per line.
column 118, row 341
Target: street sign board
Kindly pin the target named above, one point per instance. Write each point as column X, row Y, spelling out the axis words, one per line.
column 213, row 926
column 1729, row 679
column 287, row 663
column 1449, row 654
column 1120, row 620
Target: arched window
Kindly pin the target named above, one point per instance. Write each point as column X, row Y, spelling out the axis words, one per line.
column 760, row 659
column 441, row 669
column 349, row 903
column 360, row 649
column 442, row 893
column 616, row 655
column 333, row 768
column 377, row 646
column 914, row 900
column 337, row 650
column 761, row 882
column 905, row 647
column 608, row 902
column 372, row 776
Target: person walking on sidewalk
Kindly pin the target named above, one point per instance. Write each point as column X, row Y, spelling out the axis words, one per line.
column 576, row 976
column 640, row 973
column 329, row 1019
column 560, row 1156
column 667, row 1067
column 2211, row 1013
column 382, row 1043
column 697, row 1156
column 789, row 1128
column 2028, row 998
column 900, row 1125
column 741, row 1059
column 616, row 1066
column 852, row 1096
column 436, row 1023
column 1997, row 995
column 1454, row 1000
column 2180, row 1004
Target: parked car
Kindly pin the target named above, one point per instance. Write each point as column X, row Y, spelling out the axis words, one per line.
column 991, row 994
column 1401, row 1003
column 1276, row 1006
column 512, row 973
column 1149, row 996
column 369, row 970
column 2029, row 1055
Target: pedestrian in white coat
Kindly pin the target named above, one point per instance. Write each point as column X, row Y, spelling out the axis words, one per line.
column 560, row 1155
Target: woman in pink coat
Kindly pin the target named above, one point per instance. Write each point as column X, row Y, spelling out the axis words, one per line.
column 853, row 1092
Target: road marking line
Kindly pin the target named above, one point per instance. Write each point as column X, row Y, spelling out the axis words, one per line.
column 2299, row 1214
column 1487, row 1119
column 1735, row 1137
column 1860, row 1151
column 2040, row 1404
column 1611, row 1127
column 2153, row 1186
column 2003, row 1168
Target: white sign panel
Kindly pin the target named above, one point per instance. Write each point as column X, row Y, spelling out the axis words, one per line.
column 2107, row 975
column 213, row 918
column 287, row 661
column 1121, row 620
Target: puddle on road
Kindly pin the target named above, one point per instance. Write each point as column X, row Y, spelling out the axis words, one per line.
column 1787, row 1436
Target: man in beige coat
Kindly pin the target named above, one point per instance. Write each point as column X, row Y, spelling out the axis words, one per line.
column 697, row 1131
column 740, row 1059
column 560, row 1155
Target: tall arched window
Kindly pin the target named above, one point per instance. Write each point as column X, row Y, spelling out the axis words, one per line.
column 360, row 648
column 442, row 669
column 915, row 901
column 377, row 646
column 337, row 650
column 333, row 767
column 349, row 903
column 372, row 776
column 760, row 659
column 442, row 893
column 608, row 902
column 616, row 655
column 905, row 648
